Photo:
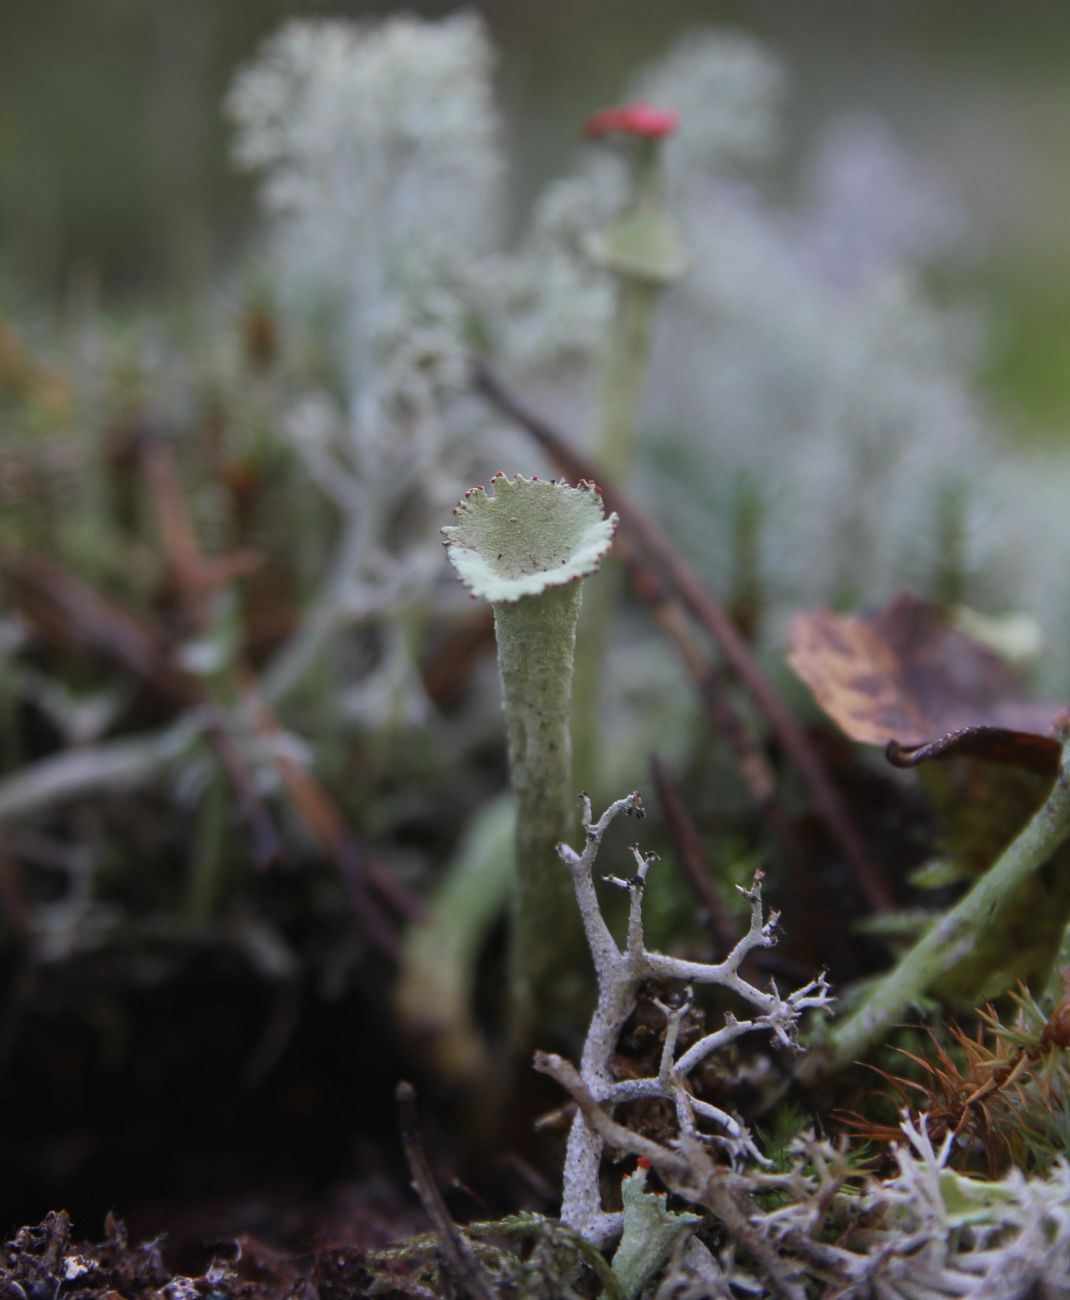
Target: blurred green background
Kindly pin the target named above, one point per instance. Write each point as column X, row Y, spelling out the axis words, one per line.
column 114, row 150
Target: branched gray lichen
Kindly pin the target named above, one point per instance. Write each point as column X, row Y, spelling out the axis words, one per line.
column 620, row 973
column 927, row 1231
column 819, row 1227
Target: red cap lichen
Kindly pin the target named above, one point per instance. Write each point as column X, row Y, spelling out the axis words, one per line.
column 642, row 120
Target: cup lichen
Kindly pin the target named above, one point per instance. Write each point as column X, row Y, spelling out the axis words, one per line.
column 643, row 251
column 525, row 548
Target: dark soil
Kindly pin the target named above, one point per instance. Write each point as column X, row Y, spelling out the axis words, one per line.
column 46, row 1262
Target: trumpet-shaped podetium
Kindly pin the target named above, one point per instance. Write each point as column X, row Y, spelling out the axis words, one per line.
column 642, row 244
column 643, row 252
column 525, row 548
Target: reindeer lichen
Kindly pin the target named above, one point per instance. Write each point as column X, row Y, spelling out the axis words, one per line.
column 620, row 972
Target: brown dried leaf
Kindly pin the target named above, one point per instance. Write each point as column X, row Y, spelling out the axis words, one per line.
column 905, row 678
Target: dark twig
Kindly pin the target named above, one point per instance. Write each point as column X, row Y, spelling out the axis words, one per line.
column 320, row 815
column 681, row 578
column 458, row 1257
column 667, row 612
column 727, row 721
column 13, row 906
column 196, row 576
column 692, row 858
column 64, row 609
column 198, row 579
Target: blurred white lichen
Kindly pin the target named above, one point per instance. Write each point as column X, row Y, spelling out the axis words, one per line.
column 377, row 148
column 728, row 91
column 869, row 205
column 804, row 348
column 851, row 396
column 547, row 302
column 377, row 145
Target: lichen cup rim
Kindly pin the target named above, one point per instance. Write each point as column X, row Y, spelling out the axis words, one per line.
column 559, row 536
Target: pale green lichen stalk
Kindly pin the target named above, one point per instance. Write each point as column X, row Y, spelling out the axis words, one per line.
column 525, row 549
column 643, row 251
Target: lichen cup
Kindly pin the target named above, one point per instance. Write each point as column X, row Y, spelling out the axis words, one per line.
column 525, row 548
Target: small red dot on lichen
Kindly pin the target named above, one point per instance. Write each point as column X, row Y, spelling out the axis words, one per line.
column 642, row 1162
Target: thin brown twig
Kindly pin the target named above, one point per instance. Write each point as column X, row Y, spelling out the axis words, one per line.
column 65, row 609
column 754, row 768
column 692, row 858
column 458, row 1257
column 321, row 816
column 682, row 579
column 196, row 579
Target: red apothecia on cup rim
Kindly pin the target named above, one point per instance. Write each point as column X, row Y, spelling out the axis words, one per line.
column 644, row 120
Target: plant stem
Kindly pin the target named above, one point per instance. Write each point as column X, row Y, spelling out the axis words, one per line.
column 624, row 369
column 952, row 938
column 536, row 641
